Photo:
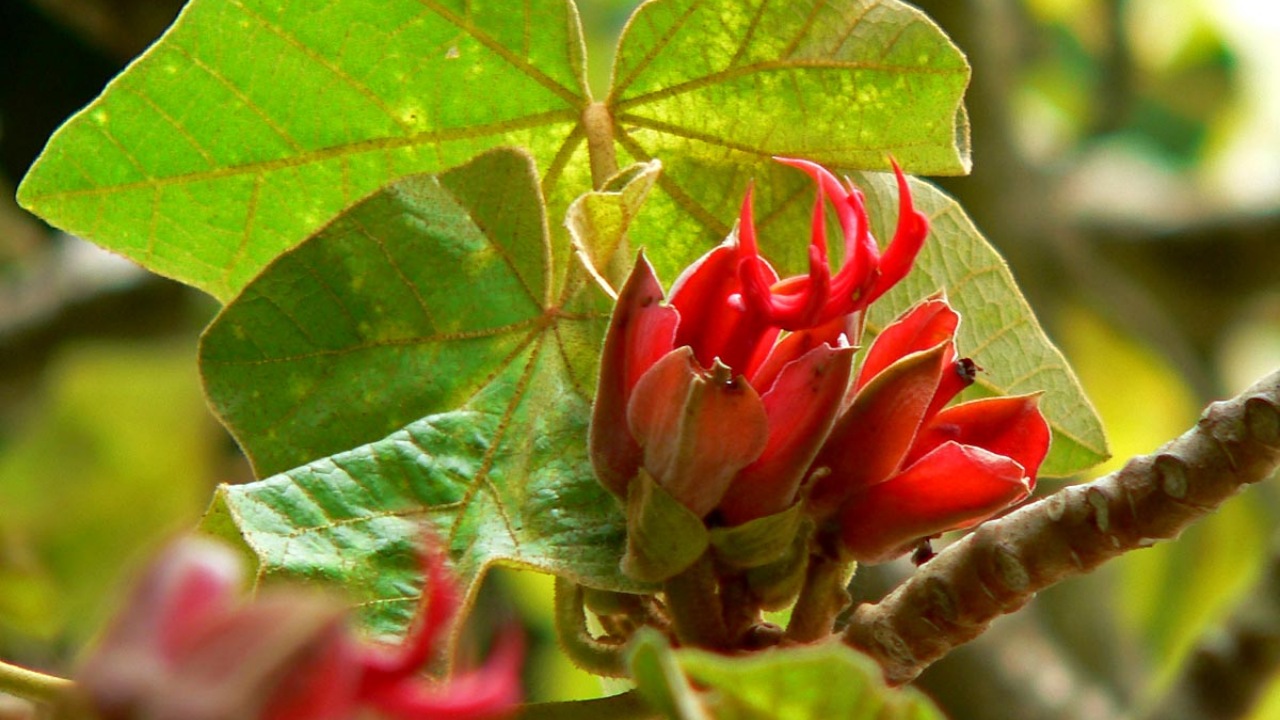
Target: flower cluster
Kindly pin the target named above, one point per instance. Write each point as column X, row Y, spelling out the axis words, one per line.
column 187, row 647
column 737, row 395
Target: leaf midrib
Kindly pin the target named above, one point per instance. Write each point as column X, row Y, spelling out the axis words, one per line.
column 730, row 74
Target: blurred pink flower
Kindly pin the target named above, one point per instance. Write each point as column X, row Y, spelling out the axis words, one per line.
column 188, row 646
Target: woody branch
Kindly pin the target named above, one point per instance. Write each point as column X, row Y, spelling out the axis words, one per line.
column 1004, row 563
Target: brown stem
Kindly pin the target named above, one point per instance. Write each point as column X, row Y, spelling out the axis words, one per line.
column 741, row 612
column 1004, row 563
column 822, row 598
column 696, row 610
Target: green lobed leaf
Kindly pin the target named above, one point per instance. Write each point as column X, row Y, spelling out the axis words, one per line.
column 753, row 76
column 505, row 478
column 813, row 682
column 252, row 122
column 405, row 305
column 453, row 278
column 714, row 89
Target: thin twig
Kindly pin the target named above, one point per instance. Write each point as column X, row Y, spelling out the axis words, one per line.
column 1003, row 564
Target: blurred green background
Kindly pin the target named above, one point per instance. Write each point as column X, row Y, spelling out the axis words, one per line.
column 1127, row 162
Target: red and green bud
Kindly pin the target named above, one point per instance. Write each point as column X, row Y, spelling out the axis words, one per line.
column 703, row 394
column 737, row 396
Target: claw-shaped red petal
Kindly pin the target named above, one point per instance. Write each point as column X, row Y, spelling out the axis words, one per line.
column 953, row 486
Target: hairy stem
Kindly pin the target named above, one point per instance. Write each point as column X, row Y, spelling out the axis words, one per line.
column 1004, row 563
column 34, row 686
column 696, row 608
column 822, row 598
column 596, row 656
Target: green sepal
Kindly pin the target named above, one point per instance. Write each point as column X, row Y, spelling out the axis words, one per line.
column 759, row 542
column 776, row 584
column 663, row 536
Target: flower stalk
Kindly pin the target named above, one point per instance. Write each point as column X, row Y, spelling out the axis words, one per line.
column 35, row 686
column 822, row 598
column 697, row 611
column 731, row 421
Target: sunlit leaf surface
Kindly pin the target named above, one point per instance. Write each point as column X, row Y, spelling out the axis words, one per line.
column 252, row 123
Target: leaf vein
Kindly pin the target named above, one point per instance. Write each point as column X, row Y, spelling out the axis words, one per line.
column 772, row 66
column 321, row 154
column 390, row 342
column 311, row 54
column 653, row 53
column 794, row 44
column 395, row 266
column 249, row 103
column 573, row 99
column 704, row 217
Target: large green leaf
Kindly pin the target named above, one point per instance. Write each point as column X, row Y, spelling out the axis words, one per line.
column 714, row 89
column 878, row 76
column 504, row 479
column 408, row 304
column 252, row 122
column 814, row 682
column 402, row 306
column 433, row 298
column 802, row 683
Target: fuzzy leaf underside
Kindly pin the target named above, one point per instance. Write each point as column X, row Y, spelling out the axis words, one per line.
column 498, row 464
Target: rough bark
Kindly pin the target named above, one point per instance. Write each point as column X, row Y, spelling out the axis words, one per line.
column 1000, row 566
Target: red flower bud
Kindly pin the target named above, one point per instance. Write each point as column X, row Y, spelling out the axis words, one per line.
column 701, row 392
column 697, row 428
column 897, row 467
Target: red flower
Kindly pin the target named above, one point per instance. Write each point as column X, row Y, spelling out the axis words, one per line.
column 897, row 467
column 186, row 647
column 703, row 395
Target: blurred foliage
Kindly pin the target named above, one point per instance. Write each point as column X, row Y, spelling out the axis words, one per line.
column 116, row 459
column 1127, row 161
